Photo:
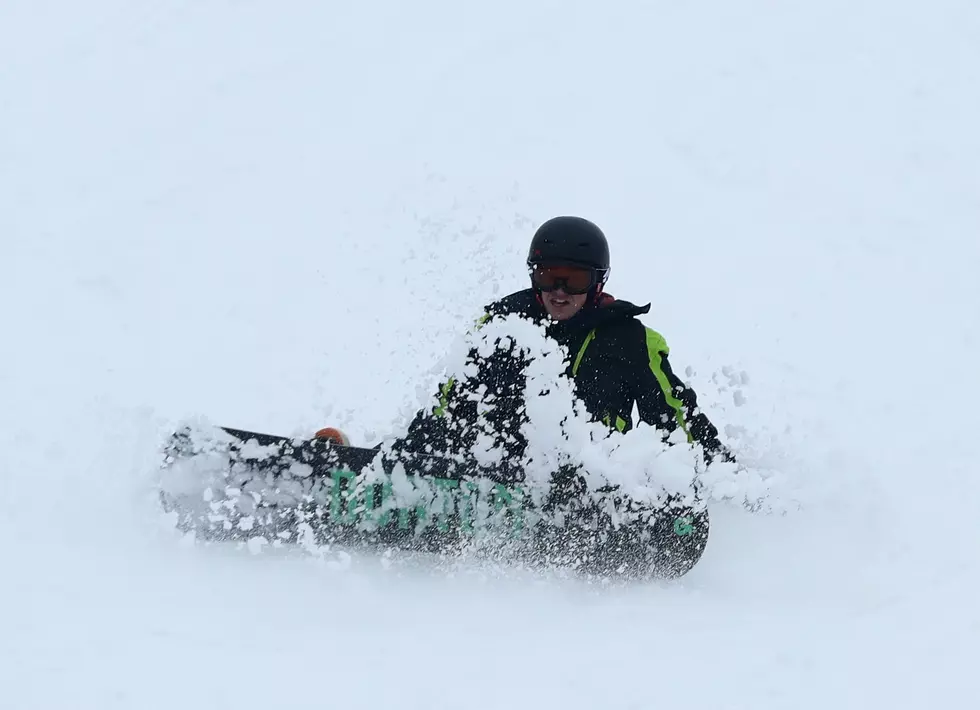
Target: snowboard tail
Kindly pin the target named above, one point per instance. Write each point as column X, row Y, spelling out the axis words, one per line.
column 233, row 484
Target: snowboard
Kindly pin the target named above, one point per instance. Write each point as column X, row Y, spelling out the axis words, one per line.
column 233, row 484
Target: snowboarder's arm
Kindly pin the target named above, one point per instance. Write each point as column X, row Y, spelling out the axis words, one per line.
column 664, row 401
column 440, row 427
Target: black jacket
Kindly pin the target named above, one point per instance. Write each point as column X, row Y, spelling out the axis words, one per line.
column 615, row 362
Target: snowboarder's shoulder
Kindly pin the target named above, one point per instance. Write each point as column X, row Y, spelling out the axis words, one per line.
column 622, row 321
column 523, row 303
column 618, row 313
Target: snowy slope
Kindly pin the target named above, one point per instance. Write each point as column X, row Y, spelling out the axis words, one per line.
column 281, row 215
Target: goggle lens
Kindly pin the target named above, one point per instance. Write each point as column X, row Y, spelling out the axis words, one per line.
column 573, row 280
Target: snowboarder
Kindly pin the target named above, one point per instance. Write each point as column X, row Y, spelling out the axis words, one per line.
column 598, row 350
column 614, row 360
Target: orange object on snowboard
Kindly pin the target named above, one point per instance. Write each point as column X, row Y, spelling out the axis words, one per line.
column 333, row 435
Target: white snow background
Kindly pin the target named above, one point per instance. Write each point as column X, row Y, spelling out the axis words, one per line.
column 280, row 216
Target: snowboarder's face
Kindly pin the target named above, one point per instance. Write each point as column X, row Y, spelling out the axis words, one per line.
column 562, row 306
column 564, row 289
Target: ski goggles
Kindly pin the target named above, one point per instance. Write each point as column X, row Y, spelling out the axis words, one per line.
column 573, row 280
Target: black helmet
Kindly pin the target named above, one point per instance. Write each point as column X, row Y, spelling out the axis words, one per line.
column 570, row 240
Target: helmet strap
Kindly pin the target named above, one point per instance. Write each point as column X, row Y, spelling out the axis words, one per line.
column 595, row 295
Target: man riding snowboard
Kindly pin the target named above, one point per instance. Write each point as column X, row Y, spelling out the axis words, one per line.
column 612, row 358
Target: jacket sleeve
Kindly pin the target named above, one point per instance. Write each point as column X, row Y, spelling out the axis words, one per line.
column 666, row 402
column 484, row 402
column 445, row 427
